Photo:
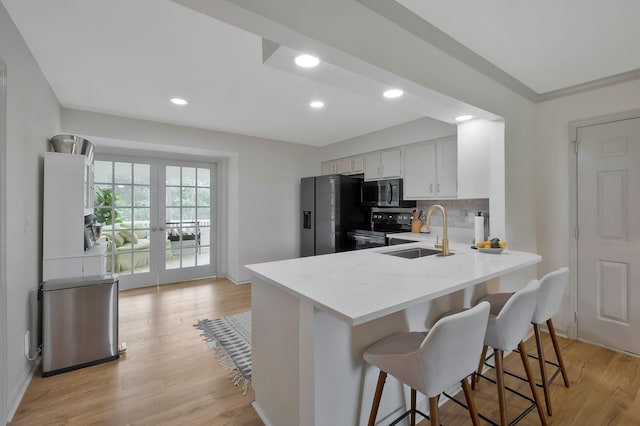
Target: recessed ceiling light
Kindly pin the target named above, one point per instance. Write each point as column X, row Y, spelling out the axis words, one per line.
column 464, row 117
column 178, row 101
column 316, row 104
column 307, row 61
column 393, row 93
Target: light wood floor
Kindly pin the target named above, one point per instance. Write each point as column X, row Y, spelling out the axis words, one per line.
column 169, row 376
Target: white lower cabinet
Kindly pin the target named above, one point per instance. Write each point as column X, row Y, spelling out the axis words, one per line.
column 430, row 170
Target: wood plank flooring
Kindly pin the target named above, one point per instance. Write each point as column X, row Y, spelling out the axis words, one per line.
column 169, row 376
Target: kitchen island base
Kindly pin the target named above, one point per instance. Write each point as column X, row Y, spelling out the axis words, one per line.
column 307, row 364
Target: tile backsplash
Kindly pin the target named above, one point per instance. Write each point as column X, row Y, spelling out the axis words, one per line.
column 459, row 212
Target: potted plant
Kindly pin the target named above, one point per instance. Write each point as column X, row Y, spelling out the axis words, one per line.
column 105, row 213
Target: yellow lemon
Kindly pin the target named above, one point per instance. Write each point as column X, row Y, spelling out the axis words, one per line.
column 503, row 244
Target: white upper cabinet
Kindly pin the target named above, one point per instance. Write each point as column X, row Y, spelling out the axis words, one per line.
column 430, row 170
column 328, row 168
column 383, row 165
column 343, row 166
column 479, row 141
column 350, row 165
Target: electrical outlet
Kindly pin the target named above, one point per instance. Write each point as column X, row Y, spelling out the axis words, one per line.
column 27, row 343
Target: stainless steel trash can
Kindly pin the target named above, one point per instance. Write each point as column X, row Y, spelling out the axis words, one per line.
column 80, row 323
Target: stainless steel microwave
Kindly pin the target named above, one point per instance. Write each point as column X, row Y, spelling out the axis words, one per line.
column 384, row 193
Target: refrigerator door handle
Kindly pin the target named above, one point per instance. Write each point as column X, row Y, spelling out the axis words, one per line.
column 306, row 221
column 390, row 193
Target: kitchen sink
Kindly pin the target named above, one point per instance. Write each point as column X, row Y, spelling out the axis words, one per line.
column 413, row 253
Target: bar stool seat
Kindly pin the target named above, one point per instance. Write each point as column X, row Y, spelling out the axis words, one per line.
column 432, row 362
column 552, row 287
column 505, row 331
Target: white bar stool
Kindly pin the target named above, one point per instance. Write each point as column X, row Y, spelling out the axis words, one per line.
column 505, row 331
column 552, row 287
column 432, row 363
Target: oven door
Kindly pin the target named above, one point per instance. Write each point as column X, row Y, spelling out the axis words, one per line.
column 360, row 240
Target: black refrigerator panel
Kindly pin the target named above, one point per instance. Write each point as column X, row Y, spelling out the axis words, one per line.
column 327, row 214
column 308, row 228
column 330, row 208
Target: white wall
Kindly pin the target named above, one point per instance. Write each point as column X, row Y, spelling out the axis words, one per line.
column 263, row 177
column 33, row 115
column 555, row 225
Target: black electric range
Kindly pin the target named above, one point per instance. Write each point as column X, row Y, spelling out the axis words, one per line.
column 383, row 224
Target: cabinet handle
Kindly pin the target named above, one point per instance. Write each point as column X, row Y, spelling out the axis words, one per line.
column 437, row 188
column 430, row 188
column 381, row 171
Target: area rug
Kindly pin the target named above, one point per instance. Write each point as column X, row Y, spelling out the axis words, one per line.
column 230, row 338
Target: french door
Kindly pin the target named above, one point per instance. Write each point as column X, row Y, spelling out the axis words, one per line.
column 156, row 218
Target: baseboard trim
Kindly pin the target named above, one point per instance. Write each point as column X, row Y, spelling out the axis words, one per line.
column 236, row 282
column 260, row 413
column 16, row 399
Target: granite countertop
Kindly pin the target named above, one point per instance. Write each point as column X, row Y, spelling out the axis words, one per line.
column 362, row 285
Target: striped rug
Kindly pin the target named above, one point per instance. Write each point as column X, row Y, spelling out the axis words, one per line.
column 230, row 338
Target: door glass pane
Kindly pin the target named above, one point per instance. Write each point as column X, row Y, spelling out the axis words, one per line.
column 188, row 176
column 141, row 196
column 188, row 215
column 173, row 196
column 203, row 196
column 123, row 172
column 102, row 171
column 204, row 257
column 142, row 174
column 123, row 195
column 141, row 215
column 173, row 215
column 173, row 175
column 188, row 197
column 204, row 177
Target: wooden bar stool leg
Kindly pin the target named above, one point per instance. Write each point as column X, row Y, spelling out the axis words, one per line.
column 382, row 377
column 543, row 368
column 497, row 356
column 473, row 411
column 413, row 407
column 476, row 377
column 532, row 383
column 433, row 411
column 556, row 348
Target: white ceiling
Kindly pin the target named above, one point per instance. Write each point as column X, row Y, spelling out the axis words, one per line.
column 128, row 58
column 545, row 44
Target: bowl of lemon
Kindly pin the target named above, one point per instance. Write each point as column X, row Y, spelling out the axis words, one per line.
column 494, row 246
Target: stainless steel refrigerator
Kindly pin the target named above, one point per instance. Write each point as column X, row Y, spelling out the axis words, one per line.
column 330, row 208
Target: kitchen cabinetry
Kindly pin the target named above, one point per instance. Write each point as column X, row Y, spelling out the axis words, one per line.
column 350, row 165
column 480, row 157
column 328, row 167
column 68, row 197
column 343, row 166
column 430, row 170
column 383, row 165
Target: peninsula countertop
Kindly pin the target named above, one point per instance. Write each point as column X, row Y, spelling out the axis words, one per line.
column 363, row 285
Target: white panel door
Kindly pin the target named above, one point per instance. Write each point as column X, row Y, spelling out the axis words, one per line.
column 609, row 234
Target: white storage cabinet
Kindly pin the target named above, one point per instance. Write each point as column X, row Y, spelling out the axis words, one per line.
column 430, row 170
column 68, row 197
column 383, row 165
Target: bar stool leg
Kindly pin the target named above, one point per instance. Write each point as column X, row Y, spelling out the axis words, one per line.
column 433, row 411
column 498, row 355
column 556, row 348
column 476, row 377
column 382, row 377
column 413, row 407
column 543, row 368
column 473, row 411
column 532, row 383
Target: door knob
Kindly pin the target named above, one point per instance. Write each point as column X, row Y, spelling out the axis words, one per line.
column 154, row 228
